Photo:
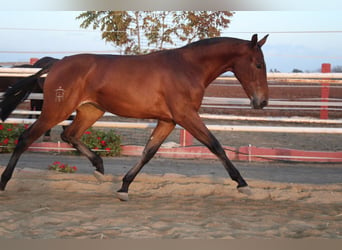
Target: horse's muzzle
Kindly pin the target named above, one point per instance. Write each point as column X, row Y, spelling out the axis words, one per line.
column 257, row 103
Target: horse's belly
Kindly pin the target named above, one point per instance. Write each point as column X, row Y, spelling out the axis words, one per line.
column 137, row 109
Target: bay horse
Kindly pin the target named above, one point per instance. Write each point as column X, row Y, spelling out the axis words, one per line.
column 167, row 85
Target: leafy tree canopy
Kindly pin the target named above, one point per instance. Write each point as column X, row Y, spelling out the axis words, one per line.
column 137, row 32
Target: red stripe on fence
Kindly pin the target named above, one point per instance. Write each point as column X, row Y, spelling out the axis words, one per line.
column 247, row 153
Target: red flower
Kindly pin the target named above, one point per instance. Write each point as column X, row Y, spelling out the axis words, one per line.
column 16, row 142
column 1, row 127
column 9, row 129
column 61, row 167
column 103, row 143
column 108, row 149
column 87, row 133
column 6, row 141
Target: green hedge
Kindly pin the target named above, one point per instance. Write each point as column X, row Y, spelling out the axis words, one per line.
column 9, row 134
column 105, row 143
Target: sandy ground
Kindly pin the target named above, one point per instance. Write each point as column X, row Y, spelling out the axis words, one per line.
column 45, row 204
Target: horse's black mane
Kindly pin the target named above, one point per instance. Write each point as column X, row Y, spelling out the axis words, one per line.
column 209, row 41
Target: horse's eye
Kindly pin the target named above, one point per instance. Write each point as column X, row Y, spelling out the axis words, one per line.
column 259, row 65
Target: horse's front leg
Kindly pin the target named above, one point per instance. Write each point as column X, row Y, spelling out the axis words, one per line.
column 193, row 123
column 159, row 134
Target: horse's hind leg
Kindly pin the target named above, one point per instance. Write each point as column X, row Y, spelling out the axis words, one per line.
column 25, row 140
column 86, row 115
column 159, row 134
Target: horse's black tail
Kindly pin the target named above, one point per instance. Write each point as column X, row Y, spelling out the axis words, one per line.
column 19, row 92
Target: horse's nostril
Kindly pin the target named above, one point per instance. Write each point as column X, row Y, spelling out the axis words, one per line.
column 258, row 105
column 263, row 104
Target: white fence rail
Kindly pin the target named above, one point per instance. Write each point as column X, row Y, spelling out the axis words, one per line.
column 308, row 120
column 244, row 103
column 336, row 77
column 231, row 128
column 18, row 72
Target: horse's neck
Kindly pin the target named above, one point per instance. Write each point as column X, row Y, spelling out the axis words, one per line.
column 213, row 60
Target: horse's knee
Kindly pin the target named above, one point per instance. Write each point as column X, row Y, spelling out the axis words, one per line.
column 23, row 143
column 128, row 178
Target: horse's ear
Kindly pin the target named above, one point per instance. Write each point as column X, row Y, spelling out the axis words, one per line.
column 254, row 40
column 262, row 41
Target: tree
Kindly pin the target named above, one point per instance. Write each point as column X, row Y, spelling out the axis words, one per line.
column 201, row 24
column 297, row 71
column 154, row 30
column 115, row 26
column 337, row 69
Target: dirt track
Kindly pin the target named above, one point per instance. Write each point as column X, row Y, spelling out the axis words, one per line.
column 44, row 204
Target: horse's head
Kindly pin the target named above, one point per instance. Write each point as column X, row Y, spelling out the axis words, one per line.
column 250, row 70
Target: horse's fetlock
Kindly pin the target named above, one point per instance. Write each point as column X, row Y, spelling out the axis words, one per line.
column 3, row 182
column 2, row 186
column 127, row 179
column 241, row 183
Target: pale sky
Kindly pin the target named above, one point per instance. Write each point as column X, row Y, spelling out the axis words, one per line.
column 298, row 39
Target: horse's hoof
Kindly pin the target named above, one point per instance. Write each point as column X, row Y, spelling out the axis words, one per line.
column 122, row 196
column 245, row 190
column 99, row 176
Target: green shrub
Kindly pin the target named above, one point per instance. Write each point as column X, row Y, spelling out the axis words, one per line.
column 9, row 135
column 105, row 143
